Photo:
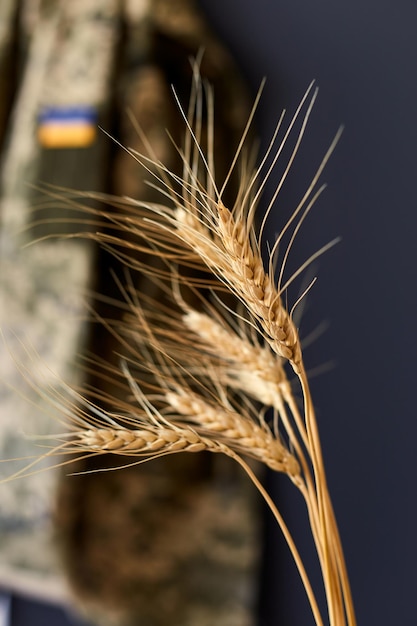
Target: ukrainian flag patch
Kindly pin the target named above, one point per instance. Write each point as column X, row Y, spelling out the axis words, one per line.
column 67, row 126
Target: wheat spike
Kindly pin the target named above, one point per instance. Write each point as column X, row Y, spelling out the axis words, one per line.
column 256, row 288
column 144, row 442
column 241, row 434
column 251, row 367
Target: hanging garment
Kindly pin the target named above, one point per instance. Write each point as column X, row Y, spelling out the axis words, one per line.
column 169, row 542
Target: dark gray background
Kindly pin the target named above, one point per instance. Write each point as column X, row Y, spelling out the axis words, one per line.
column 363, row 55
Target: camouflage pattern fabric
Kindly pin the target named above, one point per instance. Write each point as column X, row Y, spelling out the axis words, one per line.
column 41, row 286
column 173, row 541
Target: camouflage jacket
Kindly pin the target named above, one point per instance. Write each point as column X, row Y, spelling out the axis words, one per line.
column 148, row 544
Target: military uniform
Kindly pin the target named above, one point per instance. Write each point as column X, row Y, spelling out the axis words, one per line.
column 175, row 541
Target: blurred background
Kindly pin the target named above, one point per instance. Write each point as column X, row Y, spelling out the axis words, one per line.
column 362, row 56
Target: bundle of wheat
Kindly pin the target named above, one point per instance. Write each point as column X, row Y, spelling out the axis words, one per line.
column 200, row 370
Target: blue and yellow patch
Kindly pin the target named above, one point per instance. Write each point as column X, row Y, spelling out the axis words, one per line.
column 67, row 127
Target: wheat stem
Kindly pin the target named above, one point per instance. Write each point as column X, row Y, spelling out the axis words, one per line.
column 334, row 571
column 288, row 538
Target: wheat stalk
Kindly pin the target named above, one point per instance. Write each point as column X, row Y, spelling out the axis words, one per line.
column 208, row 365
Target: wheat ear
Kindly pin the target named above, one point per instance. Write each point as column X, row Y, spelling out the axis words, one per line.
column 249, row 438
